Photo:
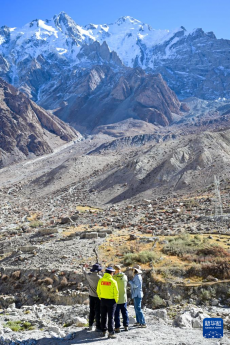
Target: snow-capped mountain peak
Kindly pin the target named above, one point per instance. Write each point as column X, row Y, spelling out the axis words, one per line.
column 63, row 21
column 68, row 26
column 63, row 35
column 127, row 19
column 171, row 53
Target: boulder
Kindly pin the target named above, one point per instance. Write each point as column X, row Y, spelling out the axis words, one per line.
column 160, row 313
column 48, row 231
column 192, row 318
column 88, row 235
column 80, row 321
column 65, row 220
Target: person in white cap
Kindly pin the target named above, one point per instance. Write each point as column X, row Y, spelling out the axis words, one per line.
column 137, row 295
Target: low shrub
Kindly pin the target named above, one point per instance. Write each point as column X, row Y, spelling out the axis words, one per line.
column 195, row 249
column 205, row 295
column 142, row 257
column 17, row 326
column 219, row 269
column 158, row 302
column 215, row 251
column 183, row 244
column 35, row 224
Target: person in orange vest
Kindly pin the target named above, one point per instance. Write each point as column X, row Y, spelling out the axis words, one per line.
column 107, row 291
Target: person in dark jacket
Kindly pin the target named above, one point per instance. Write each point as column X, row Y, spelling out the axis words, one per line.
column 137, row 295
column 94, row 302
column 121, row 280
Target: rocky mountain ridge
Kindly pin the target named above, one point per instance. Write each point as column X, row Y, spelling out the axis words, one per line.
column 193, row 63
column 26, row 129
column 101, row 95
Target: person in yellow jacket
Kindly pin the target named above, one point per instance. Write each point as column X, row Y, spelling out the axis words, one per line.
column 107, row 291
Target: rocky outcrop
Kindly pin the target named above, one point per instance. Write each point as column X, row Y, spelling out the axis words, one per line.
column 103, row 96
column 193, row 64
column 129, row 127
column 25, row 128
column 99, row 53
column 131, row 141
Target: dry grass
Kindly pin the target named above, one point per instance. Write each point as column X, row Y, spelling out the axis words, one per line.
column 170, row 267
column 33, row 216
column 88, row 208
column 36, row 224
column 80, row 228
column 143, row 257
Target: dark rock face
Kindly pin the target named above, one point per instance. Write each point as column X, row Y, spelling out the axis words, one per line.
column 23, row 125
column 102, row 96
column 99, row 53
column 193, row 65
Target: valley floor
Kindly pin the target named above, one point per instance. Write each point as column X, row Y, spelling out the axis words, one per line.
column 159, row 331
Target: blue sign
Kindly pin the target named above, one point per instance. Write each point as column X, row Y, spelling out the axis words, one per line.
column 213, row 328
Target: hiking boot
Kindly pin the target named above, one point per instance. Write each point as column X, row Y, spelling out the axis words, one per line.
column 136, row 324
column 112, row 336
column 143, row 326
column 97, row 330
column 103, row 334
column 117, row 330
column 126, row 328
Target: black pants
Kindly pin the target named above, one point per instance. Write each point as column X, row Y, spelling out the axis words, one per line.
column 108, row 307
column 94, row 311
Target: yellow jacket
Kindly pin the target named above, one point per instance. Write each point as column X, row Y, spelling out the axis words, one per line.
column 107, row 288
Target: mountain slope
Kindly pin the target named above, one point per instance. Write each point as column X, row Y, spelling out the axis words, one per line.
column 177, row 164
column 103, row 96
column 26, row 129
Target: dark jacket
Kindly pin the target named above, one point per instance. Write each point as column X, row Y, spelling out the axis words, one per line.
column 93, row 279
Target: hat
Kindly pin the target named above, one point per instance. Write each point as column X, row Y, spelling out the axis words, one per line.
column 117, row 267
column 95, row 268
column 137, row 268
column 110, row 269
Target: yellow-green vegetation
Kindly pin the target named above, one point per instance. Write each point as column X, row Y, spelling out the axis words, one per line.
column 190, row 203
column 186, row 244
column 158, row 302
column 36, row 224
column 142, row 257
column 214, row 260
column 88, row 208
column 205, row 295
column 33, row 216
column 18, row 326
column 185, row 258
column 71, row 231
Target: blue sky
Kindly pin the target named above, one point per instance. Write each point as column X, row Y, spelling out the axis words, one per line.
column 211, row 15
